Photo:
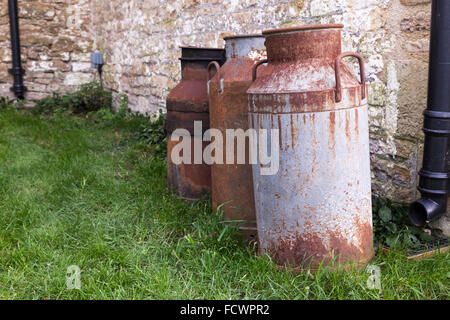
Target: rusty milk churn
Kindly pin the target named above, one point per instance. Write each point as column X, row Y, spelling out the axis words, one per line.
column 318, row 204
column 186, row 103
column 232, row 183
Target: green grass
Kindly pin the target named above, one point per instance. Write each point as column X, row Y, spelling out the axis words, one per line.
column 74, row 191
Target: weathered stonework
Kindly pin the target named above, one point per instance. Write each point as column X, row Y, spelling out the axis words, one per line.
column 140, row 40
column 56, row 39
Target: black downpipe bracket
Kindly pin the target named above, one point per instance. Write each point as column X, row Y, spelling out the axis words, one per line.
column 17, row 71
column 434, row 176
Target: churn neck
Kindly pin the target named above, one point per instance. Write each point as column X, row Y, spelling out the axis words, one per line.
column 302, row 43
column 194, row 61
column 245, row 46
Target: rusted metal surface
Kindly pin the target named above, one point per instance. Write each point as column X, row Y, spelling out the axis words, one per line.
column 318, row 205
column 186, row 103
column 338, row 74
column 232, row 183
column 304, row 28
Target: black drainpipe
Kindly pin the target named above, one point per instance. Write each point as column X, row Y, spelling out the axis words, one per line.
column 18, row 88
column 434, row 176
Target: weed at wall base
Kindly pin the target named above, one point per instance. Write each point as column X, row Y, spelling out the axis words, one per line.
column 88, row 97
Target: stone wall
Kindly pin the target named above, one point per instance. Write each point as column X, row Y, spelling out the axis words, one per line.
column 141, row 39
column 56, row 41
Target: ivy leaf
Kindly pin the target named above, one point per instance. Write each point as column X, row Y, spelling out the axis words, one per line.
column 411, row 240
column 385, row 214
column 391, row 227
column 392, row 241
column 415, row 230
column 426, row 237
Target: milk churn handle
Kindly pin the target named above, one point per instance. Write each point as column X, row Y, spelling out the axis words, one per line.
column 338, row 74
column 217, row 66
column 255, row 68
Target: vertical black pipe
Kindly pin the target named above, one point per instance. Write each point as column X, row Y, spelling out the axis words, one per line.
column 434, row 176
column 17, row 71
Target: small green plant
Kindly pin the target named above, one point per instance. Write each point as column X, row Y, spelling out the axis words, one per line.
column 55, row 104
column 124, row 112
column 154, row 135
column 145, row 129
column 105, row 115
column 5, row 103
column 89, row 97
column 392, row 227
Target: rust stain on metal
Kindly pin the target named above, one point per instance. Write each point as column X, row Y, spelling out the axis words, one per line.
column 186, row 103
column 232, row 183
column 322, row 202
column 332, row 128
column 280, row 136
column 338, row 74
column 292, row 130
column 347, row 126
column 189, row 181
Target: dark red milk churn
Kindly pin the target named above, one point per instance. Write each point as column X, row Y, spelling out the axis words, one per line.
column 232, row 184
column 317, row 206
column 187, row 103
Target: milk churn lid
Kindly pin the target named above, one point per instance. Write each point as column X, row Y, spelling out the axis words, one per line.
column 303, row 28
column 195, row 53
column 243, row 36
